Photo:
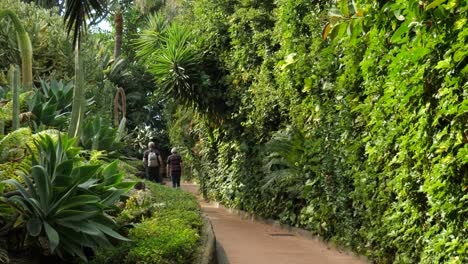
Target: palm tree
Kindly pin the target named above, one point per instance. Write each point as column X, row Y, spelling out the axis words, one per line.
column 77, row 15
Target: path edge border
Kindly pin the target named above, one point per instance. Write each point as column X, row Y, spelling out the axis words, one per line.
column 207, row 251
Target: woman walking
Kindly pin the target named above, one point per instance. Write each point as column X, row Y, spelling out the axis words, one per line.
column 174, row 167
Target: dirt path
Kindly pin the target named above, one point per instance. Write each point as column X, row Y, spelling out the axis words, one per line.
column 242, row 241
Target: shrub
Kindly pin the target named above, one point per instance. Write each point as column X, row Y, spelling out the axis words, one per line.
column 164, row 228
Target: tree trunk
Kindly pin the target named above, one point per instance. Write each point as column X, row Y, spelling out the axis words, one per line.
column 118, row 19
column 78, row 103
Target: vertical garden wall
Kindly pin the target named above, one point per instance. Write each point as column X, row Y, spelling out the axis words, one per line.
column 347, row 118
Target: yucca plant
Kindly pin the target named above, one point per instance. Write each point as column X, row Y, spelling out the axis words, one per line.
column 172, row 61
column 64, row 204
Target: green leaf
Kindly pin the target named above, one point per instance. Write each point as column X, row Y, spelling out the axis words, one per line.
column 34, row 226
column 75, row 215
column 43, row 185
column 108, row 231
column 80, row 200
column 398, row 35
column 435, row 4
column 52, row 235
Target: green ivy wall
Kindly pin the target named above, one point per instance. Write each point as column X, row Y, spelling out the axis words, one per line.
column 360, row 138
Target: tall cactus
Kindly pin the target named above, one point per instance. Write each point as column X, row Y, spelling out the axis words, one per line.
column 25, row 48
column 14, row 83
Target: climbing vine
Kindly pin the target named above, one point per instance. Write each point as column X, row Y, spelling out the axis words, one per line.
column 347, row 118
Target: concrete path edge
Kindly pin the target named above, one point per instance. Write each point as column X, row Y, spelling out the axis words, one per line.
column 207, row 252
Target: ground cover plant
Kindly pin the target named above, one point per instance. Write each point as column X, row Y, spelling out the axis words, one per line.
column 164, row 225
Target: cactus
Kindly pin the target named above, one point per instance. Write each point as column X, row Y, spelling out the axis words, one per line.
column 14, row 84
column 24, row 46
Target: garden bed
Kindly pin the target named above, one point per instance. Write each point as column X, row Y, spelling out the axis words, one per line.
column 165, row 225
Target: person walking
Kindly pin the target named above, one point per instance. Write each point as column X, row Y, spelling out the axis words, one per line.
column 153, row 163
column 174, row 167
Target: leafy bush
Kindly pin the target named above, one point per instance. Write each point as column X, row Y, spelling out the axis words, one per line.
column 65, row 204
column 165, row 228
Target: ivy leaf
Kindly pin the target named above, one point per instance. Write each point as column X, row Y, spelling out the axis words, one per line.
column 398, row 15
column 435, row 4
column 398, row 35
column 289, row 60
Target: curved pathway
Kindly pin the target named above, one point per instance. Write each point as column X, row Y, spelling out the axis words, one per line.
column 241, row 241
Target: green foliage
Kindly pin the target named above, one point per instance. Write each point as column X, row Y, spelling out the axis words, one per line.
column 97, row 134
column 52, row 52
column 65, row 204
column 360, row 138
column 138, row 139
column 51, row 105
column 166, row 225
column 13, row 145
column 168, row 50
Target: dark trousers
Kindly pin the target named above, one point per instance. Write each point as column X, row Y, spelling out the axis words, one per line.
column 175, row 175
column 154, row 175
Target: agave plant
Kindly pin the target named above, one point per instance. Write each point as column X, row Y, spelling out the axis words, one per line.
column 97, row 134
column 64, row 205
column 51, row 105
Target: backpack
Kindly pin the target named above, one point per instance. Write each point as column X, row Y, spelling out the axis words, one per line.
column 153, row 159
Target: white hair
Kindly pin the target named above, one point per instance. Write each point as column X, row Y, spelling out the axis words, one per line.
column 173, row 150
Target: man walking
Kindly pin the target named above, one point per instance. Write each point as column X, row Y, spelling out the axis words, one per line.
column 174, row 167
column 153, row 163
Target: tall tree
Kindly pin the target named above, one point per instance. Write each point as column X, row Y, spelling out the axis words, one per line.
column 118, row 20
column 78, row 13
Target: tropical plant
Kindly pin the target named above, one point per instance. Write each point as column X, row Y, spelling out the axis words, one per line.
column 25, row 47
column 141, row 135
column 97, row 134
column 288, row 159
column 77, row 13
column 64, row 205
column 51, row 105
column 120, row 107
column 172, row 61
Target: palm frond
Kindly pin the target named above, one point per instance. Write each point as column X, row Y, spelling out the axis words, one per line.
column 77, row 12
